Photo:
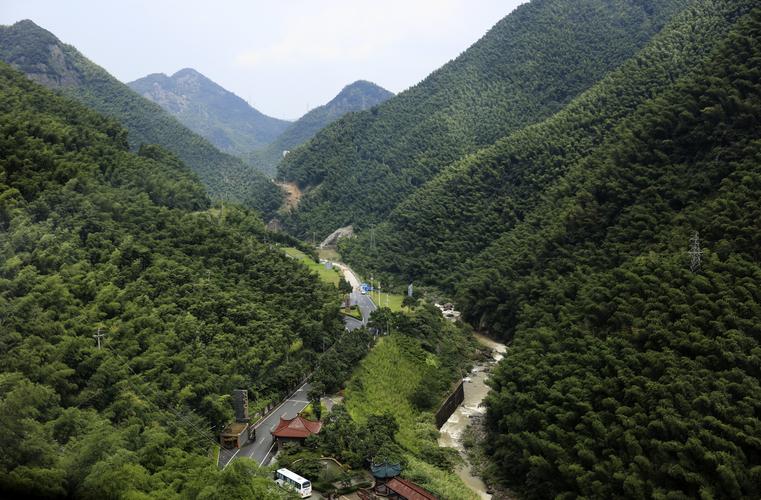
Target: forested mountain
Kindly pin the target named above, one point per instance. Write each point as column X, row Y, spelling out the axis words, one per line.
column 433, row 234
column 523, row 70
column 358, row 96
column 631, row 294
column 210, row 110
column 47, row 60
column 191, row 300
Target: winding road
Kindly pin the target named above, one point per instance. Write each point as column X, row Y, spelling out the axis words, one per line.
column 262, row 448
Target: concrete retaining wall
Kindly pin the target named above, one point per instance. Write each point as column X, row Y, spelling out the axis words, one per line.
column 450, row 404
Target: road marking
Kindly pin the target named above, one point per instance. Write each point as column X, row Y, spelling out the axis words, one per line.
column 267, row 454
column 231, row 459
column 265, row 419
column 251, row 455
column 272, row 413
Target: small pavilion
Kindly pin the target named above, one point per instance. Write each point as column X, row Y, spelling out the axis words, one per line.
column 295, row 429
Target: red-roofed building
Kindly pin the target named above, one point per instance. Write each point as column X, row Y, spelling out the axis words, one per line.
column 401, row 489
column 295, row 429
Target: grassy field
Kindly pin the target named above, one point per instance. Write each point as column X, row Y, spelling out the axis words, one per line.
column 445, row 484
column 327, row 275
column 329, row 254
column 383, row 382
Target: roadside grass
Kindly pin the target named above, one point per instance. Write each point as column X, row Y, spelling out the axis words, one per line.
column 326, row 275
column 308, row 411
column 394, row 301
column 447, row 485
column 329, row 254
column 352, row 312
column 383, row 382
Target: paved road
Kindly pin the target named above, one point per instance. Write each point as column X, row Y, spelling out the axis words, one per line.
column 352, row 323
column 366, row 306
column 260, row 449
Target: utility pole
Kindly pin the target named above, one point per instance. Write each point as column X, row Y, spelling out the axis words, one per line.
column 372, row 238
column 695, row 252
column 99, row 336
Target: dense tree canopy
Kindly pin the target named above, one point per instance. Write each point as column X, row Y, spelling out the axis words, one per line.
column 47, row 60
column 433, row 234
column 191, row 300
column 557, row 179
column 530, row 65
column 358, row 96
column 632, row 372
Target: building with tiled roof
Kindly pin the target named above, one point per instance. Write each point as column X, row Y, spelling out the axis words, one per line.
column 401, row 489
column 297, row 428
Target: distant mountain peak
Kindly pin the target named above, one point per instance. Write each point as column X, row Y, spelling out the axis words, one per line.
column 28, row 28
column 357, row 96
column 45, row 59
column 210, row 110
column 361, row 83
column 187, row 71
column 39, row 53
column 26, row 22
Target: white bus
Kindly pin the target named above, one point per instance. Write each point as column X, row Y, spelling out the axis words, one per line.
column 291, row 480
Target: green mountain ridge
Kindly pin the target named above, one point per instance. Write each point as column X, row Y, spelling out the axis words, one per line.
column 526, row 68
column 45, row 59
column 211, row 111
column 357, row 96
column 582, row 183
column 193, row 301
column 634, row 369
column 432, row 235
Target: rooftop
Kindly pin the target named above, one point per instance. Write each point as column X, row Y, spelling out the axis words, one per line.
column 409, row 490
column 296, row 427
column 235, row 428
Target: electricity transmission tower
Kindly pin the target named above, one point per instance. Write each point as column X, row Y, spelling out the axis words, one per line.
column 98, row 336
column 695, row 252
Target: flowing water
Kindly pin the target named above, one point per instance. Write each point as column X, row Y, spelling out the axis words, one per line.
column 475, row 392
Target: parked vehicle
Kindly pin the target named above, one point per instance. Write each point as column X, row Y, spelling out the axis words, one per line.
column 290, row 480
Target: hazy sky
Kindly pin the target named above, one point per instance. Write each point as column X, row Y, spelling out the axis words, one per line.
column 282, row 56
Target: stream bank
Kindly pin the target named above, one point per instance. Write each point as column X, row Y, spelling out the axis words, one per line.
column 451, row 434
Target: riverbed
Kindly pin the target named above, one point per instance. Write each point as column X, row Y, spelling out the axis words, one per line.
column 475, row 392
